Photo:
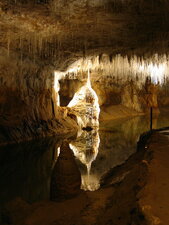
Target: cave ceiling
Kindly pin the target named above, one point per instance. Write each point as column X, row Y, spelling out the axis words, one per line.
column 57, row 33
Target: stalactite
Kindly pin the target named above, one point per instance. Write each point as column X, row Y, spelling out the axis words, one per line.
column 123, row 68
column 8, row 43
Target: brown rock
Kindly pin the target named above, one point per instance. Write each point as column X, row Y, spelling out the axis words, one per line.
column 66, row 178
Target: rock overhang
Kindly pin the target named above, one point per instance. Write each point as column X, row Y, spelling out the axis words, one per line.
column 59, row 36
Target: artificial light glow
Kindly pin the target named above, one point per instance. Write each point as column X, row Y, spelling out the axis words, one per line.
column 156, row 72
column 85, row 149
column 120, row 68
column 58, row 76
column 123, row 68
column 85, row 105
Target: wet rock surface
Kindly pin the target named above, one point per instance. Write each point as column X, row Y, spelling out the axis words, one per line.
column 154, row 200
column 66, row 177
column 135, row 192
column 116, row 202
column 39, row 37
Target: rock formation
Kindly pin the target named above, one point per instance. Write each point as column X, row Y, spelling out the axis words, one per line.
column 66, row 178
column 85, row 149
column 85, row 106
column 122, row 40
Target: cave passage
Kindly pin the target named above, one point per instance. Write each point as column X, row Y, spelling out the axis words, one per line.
column 120, row 86
column 107, row 103
column 58, row 168
column 84, row 104
column 80, row 81
column 28, row 175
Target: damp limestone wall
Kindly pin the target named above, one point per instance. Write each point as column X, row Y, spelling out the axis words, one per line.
column 40, row 36
column 28, row 106
column 126, row 97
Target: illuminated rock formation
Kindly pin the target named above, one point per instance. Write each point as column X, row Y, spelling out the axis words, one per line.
column 115, row 39
column 85, row 149
column 151, row 95
column 130, row 96
column 85, row 106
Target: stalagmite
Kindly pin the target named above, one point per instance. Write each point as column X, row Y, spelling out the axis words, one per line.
column 85, row 105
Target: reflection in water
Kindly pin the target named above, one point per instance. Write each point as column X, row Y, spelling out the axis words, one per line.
column 85, row 148
column 66, row 178
column 26, row 169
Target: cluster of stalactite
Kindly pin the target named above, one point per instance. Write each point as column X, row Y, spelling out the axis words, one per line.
column 122, row 68
column 34, row 46
column 28, row 100
column 46, row 36
column 115, row 5
column 137, row 83
column 62, row 36
column 14, row 2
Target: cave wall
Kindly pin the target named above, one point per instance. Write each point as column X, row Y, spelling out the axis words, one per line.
column 68, row 88
column 112, row 92
column 137, row 83
column 40, row 36
column 163, row 96
column 28, row 104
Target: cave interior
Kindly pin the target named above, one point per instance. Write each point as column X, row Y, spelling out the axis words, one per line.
column 77, row 78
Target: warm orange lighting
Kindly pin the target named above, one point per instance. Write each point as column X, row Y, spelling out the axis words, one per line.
column 85, row 103
column 155, row 71
column 85, row 148
column 58, row 75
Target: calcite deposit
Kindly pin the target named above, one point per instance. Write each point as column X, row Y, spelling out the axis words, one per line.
column 120, row 42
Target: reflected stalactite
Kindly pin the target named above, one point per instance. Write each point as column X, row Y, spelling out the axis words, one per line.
column 66, row 178
column 85, row 149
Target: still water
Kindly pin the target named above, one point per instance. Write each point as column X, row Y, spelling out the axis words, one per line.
column 26, row 169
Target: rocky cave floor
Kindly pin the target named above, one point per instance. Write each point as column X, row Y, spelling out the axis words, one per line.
column 135, row 193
